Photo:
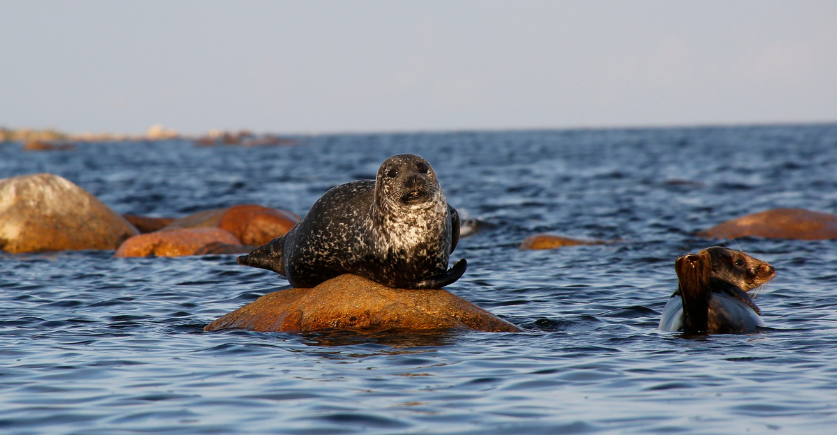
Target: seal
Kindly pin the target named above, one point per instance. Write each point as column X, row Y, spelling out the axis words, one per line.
column 397, row 230
column 712, row 292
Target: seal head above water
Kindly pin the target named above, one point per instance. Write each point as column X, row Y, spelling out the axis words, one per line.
column 712, row 292
column 397, row 230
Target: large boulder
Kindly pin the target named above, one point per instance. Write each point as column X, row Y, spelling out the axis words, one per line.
column 549, row 241
column 778, row 223
column 352, row 303
column 256, row 225
column 45, row 212
column 174, row 243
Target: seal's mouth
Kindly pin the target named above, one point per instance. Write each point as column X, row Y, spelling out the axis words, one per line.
column 414, row 197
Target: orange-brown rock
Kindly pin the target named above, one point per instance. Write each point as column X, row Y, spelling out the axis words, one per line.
column 778, row 223
column 218, row 248
column 173, row 243
column 45, row 212
column 41, row 145
column 201, row 219
column 206, row 141
column 230, row 139
column 352, row 303
column 256, row 225
column 268, row 141
column 549, row 241
column 147, row 224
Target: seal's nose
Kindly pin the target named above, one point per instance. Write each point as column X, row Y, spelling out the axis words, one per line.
column 766, row 270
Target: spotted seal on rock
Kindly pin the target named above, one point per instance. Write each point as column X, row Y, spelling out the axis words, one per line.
column 397, row 230
column 712, row 292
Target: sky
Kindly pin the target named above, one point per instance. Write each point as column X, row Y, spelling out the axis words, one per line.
column 311, row 67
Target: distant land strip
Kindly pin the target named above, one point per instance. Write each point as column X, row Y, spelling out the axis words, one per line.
column 52, row 139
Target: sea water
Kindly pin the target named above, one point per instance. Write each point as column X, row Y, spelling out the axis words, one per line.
column 93, row 344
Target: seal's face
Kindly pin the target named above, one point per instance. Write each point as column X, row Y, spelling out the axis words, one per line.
column 739, row 269
column 406, row 180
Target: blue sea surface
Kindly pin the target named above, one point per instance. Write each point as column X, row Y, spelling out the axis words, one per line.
column 93, row 344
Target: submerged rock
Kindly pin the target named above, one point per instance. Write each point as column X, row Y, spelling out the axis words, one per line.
column 147, row 224
column 250, row 224
column 174, row 243
column 219, row 248
column 549, row 241
column 256, row 225
column 42, row 145
column 45, row 212
column 778, row 223
column 201, row 219
column 349, row 302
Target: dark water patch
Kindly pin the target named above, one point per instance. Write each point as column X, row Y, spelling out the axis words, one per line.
column 157, row 397
column 670, row 386
column 57, row 418
column 282, row 397
column 632, row 313
column 364, row 421
column 21, row 321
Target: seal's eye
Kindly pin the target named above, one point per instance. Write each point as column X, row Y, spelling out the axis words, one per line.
column 739, row 262
column 422, row 168
column 392, row 173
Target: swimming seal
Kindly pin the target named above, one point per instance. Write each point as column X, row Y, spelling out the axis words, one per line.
column 712, row 292
column 397, row 230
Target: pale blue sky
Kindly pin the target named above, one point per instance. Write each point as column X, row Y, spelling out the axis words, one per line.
column 355, row 66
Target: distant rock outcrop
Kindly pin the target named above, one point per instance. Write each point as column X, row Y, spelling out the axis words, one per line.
column 352, row 303
column 243, row 139
column 174, row 243
column 45, row 212
column 778, row 223
column 42, row 145
column 549, row 241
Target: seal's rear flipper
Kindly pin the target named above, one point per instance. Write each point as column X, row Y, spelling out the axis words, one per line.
column 693, row 274
column 446, row 278
column 267, row 256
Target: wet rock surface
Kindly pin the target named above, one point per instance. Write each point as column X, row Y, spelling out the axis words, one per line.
column 174, row 243
column 147, row 224
column 352, row 303
column 778, row 223
column 256, row 225
column 550, row 241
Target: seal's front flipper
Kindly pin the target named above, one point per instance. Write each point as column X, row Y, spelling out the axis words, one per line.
column 267, row 256
column 693, row 274
column 446, row 278
column 455, row 228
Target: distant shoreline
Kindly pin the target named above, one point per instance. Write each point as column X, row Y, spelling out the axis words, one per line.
column 158, row 132
column 53, row 135
column 51, row 139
